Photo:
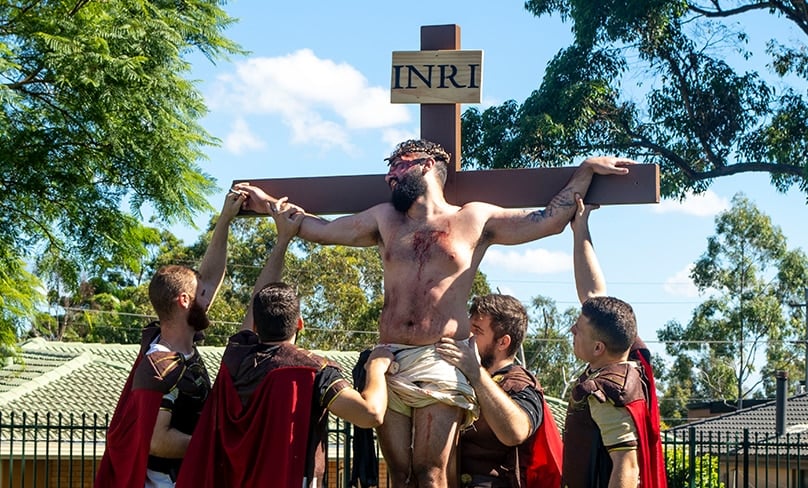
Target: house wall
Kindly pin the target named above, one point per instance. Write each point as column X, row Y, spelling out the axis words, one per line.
column 41, row 473
column 766, row 476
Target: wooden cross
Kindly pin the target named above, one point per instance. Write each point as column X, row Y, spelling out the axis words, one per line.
column 510, row 188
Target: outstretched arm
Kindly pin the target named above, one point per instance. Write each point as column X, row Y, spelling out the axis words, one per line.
column 589, row 279
column 287, row 220
column 508, row 226
column 212, row 267
column 360, row 229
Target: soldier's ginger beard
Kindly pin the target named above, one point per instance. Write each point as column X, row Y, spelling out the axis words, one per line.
column 197, row 317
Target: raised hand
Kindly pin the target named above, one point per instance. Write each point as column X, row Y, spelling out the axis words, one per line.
column 233, row 202
column 580, row 220
column 256, row 199
column 288, row 218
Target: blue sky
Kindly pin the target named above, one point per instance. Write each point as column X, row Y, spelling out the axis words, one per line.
column 312, row 98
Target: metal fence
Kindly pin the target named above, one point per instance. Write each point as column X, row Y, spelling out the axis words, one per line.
column 55, row 451
column 714, row 459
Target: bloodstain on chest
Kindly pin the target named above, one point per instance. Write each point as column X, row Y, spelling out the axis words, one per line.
column 423, row 242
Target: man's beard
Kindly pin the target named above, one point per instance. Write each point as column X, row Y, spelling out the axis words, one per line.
column 487, row 357
column 408, row 188
column 197, row 317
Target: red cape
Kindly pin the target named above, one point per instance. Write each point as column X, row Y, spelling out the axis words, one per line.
column 262, row 444
column 647, row 421
column 544, row 469
column 129, row 436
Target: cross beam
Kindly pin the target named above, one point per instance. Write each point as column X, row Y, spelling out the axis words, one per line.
column 511, row 188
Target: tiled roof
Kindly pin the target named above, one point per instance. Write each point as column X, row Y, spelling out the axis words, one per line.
column 72, row 378
column 759, row 420
column 559, row 409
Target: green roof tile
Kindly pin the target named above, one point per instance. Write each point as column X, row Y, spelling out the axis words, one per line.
column 71, row 378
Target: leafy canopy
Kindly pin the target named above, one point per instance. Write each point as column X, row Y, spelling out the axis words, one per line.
column 665, row 82
column 97, row 122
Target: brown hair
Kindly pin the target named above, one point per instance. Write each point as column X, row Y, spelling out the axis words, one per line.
column 167, row 284
column 614, row 322
column 508, row 316
column 276, row 309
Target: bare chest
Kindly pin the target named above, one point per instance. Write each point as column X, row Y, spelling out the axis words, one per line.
column 442, row 245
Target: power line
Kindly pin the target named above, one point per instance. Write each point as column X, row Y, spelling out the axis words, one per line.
column 351, row 331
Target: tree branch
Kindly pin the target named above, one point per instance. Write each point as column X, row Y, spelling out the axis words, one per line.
column 37, row 223
column 31, row 78
column 682, row 86
column 798, row 14
column 719, row 12
column 687, row 169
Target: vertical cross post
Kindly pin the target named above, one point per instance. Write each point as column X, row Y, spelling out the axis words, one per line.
column 440, row 122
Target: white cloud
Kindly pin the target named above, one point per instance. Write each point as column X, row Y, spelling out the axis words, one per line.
column 680, row 284
column 393, row 136
column 537, row 261
column 706, row 204
column 321, row 101
column 240, row 139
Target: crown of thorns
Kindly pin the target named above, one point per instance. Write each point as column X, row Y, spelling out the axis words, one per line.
column 433, row 149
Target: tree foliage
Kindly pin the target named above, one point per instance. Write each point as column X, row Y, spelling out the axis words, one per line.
column 548, row 346
column 340, row 290
column 677, row 464
column 666, row 82
column 98, row 121
column 745, row 329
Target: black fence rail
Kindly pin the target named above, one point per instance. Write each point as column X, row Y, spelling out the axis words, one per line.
column 50, row 450
column 56, row 451
column 714, row 459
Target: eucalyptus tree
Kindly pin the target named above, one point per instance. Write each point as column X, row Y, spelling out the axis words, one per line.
column 548, row 345
column 745, row 329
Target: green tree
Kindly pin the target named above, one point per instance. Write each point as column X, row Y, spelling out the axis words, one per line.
column 745, row 325
column 548, row 345
column 667, row 82
column 340, row 290
column 18, row 296
column 705, row 470
column 98, row 120
column 341, row 296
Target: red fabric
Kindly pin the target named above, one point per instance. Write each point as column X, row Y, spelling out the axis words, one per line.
column 544, row 470
column 129, row 436
column 646, row 419
column 262, row 444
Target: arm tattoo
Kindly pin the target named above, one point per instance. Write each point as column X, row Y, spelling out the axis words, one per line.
column 564, row 200
column 536, row 216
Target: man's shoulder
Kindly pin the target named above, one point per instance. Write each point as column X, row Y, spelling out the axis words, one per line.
column 303, row 357
column 619, row 382
column 160, row 371
column 515, row 378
